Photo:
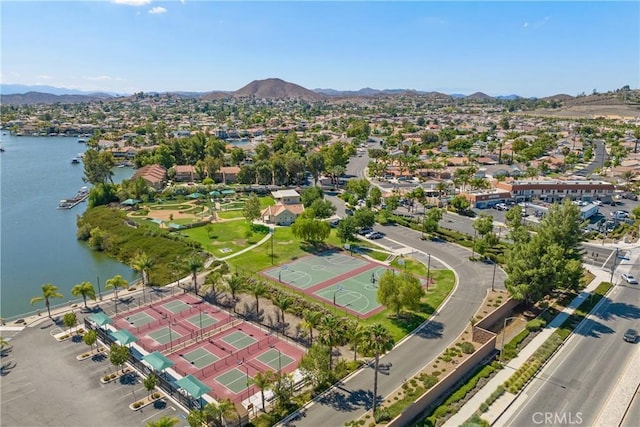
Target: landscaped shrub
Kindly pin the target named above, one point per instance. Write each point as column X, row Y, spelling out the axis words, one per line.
column 382, row 415
column 484, row 407
column 467, row 347
column 429, row 381
column 536, row 324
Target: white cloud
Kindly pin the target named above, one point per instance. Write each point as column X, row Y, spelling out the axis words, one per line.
column 537, row 24
column 526, row 24
column 45, row 77
column 132, row 2
column 157, row 10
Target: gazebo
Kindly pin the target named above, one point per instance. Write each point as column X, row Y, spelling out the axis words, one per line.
column 100, row 319
column 194, row 387
column 124, row 337
column 158, row 361
column 195, row 195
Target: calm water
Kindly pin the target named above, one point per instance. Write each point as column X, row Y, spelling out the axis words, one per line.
column 37, row 241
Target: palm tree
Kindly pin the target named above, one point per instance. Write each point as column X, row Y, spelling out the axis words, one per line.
column 84, row 289
column 217, row 413
column 212, row 281
column 263, row 381
column 142, row 263
column 234, row 285
column 377, row 340
column 628, row 176
column 331, row 334
column 311, row 320
column 258, row 289
column 356, row 334
column 48, row 291
column 4, row 342
column 116, row 282
column 165, row 421
column 194, row 263
column 283, row 302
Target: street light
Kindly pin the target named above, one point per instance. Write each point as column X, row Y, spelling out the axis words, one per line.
column 273, row 232
column 428, row 271
column 504, row 327
column 99, row 293
column 493, row 279
column 279, row 357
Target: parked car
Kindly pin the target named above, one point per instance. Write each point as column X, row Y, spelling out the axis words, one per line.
column 631, row 335
column 629, row 279
column 366, row 230
column 375, row 235
column 630, row 196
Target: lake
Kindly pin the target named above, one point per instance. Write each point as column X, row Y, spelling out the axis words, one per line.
column 38, row 241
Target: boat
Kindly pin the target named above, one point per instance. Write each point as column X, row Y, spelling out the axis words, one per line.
column 82, row 141
column 80, row 196
column 75, row 161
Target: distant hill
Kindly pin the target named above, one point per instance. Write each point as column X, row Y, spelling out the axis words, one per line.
column 277, row 89
column 508, row 97
column 558, row 97
column 31, row 98
column 479, row 96
column 14, row 89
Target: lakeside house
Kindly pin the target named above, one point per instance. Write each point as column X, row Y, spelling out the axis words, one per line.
column 286, row 210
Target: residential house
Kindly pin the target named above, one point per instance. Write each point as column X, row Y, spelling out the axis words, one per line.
column 155, row 175
column 185, row 173
column 227, row 174
column 286, row 209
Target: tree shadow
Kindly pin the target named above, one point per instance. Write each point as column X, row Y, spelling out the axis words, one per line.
column 130, row 378
column 592, row 328
column 6, row 368
column 621, row 309
column 432, row 330
column 5, row 350
column 100, row 357
column 344, row 400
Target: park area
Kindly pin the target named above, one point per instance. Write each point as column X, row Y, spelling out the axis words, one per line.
column 202, row 341
column 348, row 283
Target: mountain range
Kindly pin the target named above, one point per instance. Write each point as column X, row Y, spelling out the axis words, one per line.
column 272, row 88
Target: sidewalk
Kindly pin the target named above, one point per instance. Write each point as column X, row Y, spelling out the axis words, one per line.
column 500, row 405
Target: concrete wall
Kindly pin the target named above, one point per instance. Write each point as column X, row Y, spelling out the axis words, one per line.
column 499, row 313
column 420, row 405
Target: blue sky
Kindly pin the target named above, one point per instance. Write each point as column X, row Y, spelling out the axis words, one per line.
column 124, row 46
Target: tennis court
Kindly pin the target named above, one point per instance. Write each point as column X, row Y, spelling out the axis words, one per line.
column 239, row 340
column 356, row 293
column 200, row 358
column 202, row 321
column 139, row 319
column 165, row 335
column 235, row 380
column 275, row 359
column 313, row 270
column 176, row 306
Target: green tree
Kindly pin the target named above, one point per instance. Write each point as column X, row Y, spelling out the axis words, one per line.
column 98, row 166
column 310, row 195
column 460, row 204
column 315, row 366
column 150, row 383
column 375, row 194
column 323, row 208
column 118, row 355
column 315, row 165
column 48, row 291
column 377, row 341
column 364, row 217
column 90, row 338
column 84, row 289
column 251, row 210
column 194, row 263
column 142, row 264
column 311, row 320
column 358, row 187
column 389, row 291
column 70, row 320
column 213, row 280
column 258, row 289
column 310, row 230
column 283, row 302
column 332, row 334
column 283, row 389
column 431, row 220
column 235, row 284
column 264, row 381
column 115, row 283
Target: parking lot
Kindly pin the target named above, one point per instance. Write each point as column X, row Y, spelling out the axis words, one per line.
column 43, row 384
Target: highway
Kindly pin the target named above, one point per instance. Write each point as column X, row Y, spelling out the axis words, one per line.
column 577, row 382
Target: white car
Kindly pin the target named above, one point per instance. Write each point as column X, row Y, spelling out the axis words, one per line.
column 629, row 279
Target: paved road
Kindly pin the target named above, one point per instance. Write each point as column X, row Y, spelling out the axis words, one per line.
column 353, row 397
column 633, row 414
column 599, row 157
column 580, row 378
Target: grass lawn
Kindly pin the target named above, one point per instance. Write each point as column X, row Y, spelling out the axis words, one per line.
column 229, row 235
column 230, row 214
column 408, row 321
column 163, row 207
column 411, row 265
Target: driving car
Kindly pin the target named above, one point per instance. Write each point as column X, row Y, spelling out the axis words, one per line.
column 629, row 279
column 630, row 335
column 366, row 230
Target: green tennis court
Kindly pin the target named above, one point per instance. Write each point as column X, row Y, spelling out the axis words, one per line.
column 140, row 319
column 176, row 306
column 164, row 335
column 235, row 380
column 313, row 270
column 239, row 340
column 202, row 321
column 200, row 358
column 357, row 293
column 275, row 359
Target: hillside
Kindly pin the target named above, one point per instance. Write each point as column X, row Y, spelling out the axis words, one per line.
column 277, row 89
column 31, row 98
